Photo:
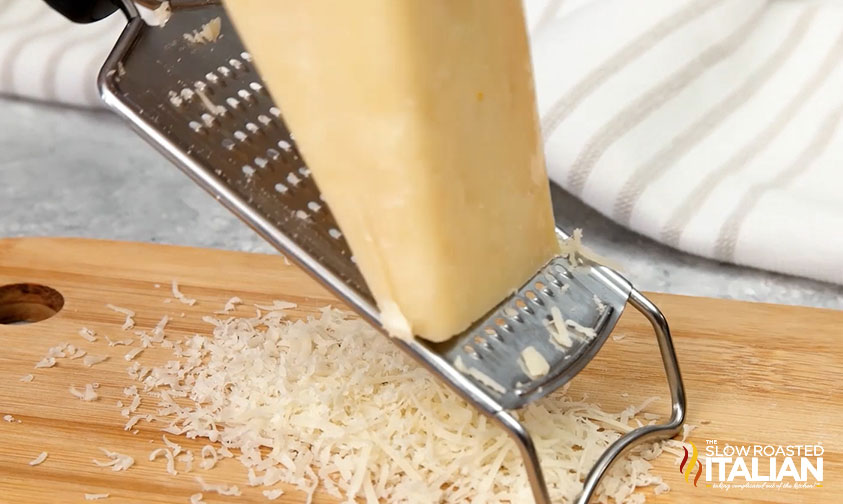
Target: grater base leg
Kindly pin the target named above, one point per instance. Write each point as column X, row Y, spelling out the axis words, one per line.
column 522, row 438
column 649, row 432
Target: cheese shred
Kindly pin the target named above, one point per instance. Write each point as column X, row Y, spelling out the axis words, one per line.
column 39, row 459
column 181, row 297
column 116, row 461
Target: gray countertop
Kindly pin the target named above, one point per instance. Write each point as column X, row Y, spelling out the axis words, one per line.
column 71, row 172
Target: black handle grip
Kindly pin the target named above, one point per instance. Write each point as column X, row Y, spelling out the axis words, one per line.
column 84, row 11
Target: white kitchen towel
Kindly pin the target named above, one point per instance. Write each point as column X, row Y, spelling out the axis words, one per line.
column 712, row 126
column 45, row 56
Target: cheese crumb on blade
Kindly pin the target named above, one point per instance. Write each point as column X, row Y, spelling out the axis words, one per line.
column 209, row 32
column 558, row 330
column 162, row 14
column 419, row 123
column 534, row 363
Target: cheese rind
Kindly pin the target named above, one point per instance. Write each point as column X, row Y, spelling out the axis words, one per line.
column 419, row 123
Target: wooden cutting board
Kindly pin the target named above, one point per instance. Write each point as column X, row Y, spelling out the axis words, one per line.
column 754, row 373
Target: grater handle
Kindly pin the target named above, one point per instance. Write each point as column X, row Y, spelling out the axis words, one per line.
column 84, row 11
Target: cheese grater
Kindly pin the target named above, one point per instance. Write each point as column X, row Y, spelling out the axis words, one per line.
column 203, row 105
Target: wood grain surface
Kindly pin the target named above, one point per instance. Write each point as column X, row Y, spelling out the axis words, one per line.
column 755, row 373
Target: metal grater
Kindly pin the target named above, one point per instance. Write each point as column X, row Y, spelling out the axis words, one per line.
column 205, row 108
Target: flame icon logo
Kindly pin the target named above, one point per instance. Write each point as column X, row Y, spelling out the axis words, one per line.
column 687, row 466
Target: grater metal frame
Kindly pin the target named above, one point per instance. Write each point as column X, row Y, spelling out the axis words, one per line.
column 351, row 289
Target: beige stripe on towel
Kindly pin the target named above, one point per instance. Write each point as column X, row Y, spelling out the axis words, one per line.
column 640, row 108
column 672, row 231
column 726, row 241
column 665, row 159
column 626, row 55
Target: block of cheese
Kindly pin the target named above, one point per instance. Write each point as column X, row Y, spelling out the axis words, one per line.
column 418, row 121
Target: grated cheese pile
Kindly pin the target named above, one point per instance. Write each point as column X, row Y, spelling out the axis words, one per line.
column 328, row 402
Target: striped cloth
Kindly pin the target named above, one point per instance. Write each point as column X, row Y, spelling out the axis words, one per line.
column 44, row 56
column 712, row 126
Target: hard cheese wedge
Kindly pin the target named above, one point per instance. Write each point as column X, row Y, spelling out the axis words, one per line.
column 418, row 120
